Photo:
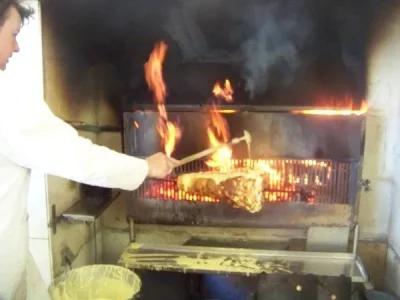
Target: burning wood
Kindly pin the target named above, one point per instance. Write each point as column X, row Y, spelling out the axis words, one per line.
column 244, row 189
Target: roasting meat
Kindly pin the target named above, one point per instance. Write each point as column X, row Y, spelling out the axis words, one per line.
column 243, row 189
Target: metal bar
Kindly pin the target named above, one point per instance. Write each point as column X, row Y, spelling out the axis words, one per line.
column 353, row 182
column 355, row 239
column 341, row 186
column 131, row 223
column 88, row 209
column 344, row 186
column 362, row 270
column 335, row 184
column 243, row 108
column 236, row 251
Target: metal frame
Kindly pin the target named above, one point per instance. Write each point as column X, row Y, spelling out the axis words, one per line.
column 158, row 257
column 233, row 108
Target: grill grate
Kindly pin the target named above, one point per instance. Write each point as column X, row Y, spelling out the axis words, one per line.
column 285, row 180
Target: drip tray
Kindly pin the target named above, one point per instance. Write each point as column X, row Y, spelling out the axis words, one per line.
column 196, row 259
column 293, row 244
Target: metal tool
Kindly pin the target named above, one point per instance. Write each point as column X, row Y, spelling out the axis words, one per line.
column 246, row 138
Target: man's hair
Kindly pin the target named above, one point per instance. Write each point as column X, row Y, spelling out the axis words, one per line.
column 24, row 12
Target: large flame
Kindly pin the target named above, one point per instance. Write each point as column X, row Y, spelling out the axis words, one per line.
column 169, row 132
column 218, row 131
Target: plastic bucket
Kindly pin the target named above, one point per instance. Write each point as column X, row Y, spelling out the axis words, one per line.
column 96, row 282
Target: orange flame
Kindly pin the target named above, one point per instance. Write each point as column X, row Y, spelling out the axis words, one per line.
column 335, row 112
column 218, row 131
column 169, row 132
column 225, row 92
column 222, row 157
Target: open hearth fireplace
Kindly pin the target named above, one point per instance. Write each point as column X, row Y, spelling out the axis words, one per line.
column 301, row 170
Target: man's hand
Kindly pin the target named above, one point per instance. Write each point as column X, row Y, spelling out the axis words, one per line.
column 160, row 165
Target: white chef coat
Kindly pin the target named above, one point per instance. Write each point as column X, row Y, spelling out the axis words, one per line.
column 32, row 137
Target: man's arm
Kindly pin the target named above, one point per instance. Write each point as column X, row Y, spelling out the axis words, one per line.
column 35, row 138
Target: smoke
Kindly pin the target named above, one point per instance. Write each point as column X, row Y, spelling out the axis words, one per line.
column 257, row 36
column 277, row 44
column 279, row 31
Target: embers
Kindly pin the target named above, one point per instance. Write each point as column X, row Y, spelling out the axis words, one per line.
column 285, row 180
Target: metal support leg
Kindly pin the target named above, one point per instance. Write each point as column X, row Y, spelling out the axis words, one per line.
column 355, row 239
column 131, row 229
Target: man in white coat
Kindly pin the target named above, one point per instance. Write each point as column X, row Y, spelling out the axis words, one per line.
column 40, row 140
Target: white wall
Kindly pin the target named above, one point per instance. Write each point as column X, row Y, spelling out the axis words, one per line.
column 382, row 131
column 393, row 258
column 72, row 91
column 383, row 146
